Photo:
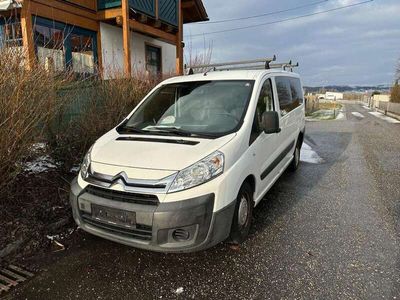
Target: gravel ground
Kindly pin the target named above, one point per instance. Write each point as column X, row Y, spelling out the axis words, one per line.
column 329, row 231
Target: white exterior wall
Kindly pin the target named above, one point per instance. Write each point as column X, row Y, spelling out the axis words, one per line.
column 381, row 98
column 333, row 96
column 113, row 51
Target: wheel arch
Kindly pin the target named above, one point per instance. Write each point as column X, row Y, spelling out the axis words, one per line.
column 251, row 180
column 300, row 138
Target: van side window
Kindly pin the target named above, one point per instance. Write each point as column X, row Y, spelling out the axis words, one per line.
column 284, row 94
column 297, row 92
column 265, row 103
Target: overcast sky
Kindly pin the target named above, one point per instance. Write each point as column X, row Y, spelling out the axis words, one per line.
column 354, row 46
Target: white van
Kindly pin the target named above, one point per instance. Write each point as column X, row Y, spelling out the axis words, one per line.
column 185, row 169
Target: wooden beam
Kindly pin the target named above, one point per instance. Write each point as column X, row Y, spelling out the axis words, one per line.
column 52, row 13
column 126, row 38
column 156, row 8
column 152, row 31
column 157, row 24
column 108, row 14
column 179, row 41
column 27, row 34
column 188, row 4
column 64, row 6
column 99, row 53
column 142, row 18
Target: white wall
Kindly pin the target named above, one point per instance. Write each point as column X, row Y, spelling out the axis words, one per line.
column 333, row 96
column 382, row 98
column 113, row 51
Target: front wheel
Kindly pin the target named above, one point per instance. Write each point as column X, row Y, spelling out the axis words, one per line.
column 243, row 215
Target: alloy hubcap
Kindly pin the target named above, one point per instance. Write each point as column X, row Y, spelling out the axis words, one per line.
column 243, row 211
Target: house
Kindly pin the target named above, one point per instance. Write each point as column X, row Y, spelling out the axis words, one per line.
column 333, row 96
column 106, row 35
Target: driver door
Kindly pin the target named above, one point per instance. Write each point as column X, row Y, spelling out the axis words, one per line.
column 263, row 145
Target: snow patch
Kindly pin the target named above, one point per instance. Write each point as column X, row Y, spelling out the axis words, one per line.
column 366, row 107
column 40, row 164
column 38, row 147
column 307, row 154
column 383, row 117
column 179, row 291
column 357, row 114
column 340, row 116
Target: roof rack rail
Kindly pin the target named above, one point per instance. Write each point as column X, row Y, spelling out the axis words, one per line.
column 262, row 63
column 287, row 65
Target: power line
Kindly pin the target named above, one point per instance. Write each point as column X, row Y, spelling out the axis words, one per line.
column 262, row 15
column 280, row 21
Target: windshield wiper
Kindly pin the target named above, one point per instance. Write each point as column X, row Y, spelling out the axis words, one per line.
column 129, row 129
column 169, row 129
column 178, row 131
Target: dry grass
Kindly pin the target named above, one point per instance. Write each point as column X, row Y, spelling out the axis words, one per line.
column 105, row 104
column 329, row 106
column 395, row 94
column 352, row 96
column 27, row 103
column 69, row 115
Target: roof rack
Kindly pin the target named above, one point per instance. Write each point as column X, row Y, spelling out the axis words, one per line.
column 262, row 63
column 288, row 65
column 256, row 64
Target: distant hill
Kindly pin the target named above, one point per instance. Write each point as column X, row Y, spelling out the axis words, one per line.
column 347, row 88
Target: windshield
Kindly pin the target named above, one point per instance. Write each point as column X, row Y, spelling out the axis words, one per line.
column 208, row 108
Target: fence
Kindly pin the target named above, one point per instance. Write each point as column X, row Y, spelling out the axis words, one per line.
column 389, row 107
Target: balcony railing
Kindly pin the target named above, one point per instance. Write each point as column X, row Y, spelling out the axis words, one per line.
column 167, row 9
column 105, row 4
column 147, row 7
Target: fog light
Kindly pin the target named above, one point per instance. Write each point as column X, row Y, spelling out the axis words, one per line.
column 180, row 235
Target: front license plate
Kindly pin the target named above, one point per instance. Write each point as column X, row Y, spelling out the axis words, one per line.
column 114, row 216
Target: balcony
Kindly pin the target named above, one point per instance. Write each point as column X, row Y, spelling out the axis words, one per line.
column 106, row 4
column 167, row 9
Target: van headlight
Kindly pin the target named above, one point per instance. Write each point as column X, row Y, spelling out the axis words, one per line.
column 85, row 166
column 199, row 173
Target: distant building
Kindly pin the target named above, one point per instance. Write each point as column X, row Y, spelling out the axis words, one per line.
column 333, row 96
column 381, row 98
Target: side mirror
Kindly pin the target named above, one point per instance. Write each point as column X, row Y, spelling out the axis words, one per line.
column 270, row 122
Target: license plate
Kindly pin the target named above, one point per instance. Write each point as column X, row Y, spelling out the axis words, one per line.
column 114, row 216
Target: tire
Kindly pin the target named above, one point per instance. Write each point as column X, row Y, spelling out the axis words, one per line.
column 294, row 165
column 243, row 215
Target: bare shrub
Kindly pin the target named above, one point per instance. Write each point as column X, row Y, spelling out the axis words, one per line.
column 395, row 94
column 99, row 106
column 26, row 103
column 352, row 96
column 195, row 58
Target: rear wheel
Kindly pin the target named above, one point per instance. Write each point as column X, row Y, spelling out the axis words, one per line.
column 243, row 214
column 294, row 165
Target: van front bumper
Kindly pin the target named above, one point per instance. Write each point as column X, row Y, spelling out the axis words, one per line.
column 183, row 226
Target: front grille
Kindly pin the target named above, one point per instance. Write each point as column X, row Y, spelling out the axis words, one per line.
column 141, row 232
column 143, row 199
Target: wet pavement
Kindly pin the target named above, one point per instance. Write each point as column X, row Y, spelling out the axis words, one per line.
column 329, row 231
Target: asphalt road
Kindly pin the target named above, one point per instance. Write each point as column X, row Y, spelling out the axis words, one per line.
column 329, row 231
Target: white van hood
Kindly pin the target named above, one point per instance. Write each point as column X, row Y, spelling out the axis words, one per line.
column 153, row 153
